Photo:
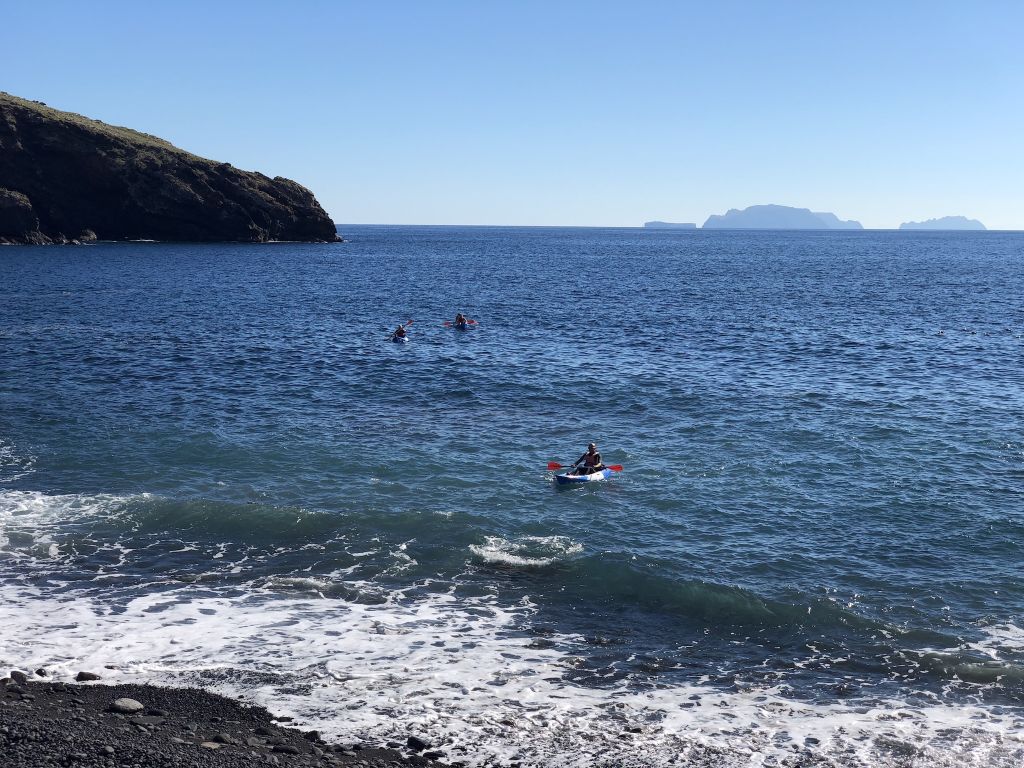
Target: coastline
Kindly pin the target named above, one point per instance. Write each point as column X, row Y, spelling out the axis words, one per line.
column 46, row 723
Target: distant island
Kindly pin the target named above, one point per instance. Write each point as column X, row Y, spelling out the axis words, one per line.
column 946, row 222
column 68, row 178
column 667, row 225
column 777, row 217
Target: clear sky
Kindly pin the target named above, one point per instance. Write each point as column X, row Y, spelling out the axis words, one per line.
column 574, row 113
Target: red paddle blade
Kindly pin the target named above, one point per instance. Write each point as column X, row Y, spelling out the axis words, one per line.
column 555, row 465
column 447, row 323
column 615, row 467
column 471, row 322
column 409, row 323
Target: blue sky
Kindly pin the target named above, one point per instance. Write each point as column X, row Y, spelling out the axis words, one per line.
column 596, row 113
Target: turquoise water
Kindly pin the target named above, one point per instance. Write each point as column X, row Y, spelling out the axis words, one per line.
column 215, row 468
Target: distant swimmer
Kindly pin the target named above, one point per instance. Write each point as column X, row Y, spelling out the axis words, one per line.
column 588, row 463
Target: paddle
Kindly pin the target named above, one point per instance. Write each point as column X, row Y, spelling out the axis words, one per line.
column 556, row 465
column 449, row 323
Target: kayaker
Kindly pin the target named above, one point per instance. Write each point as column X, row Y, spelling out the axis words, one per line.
column 589, row 462
column 460, row 319
column 399, row 332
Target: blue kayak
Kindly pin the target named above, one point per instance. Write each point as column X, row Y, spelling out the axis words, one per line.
column 400, row 339
column 462, row 326
column 567, row 479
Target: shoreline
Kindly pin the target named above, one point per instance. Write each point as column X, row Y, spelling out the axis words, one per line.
column 47, row 723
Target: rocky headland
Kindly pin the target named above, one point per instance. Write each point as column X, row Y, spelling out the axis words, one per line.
column 91, row 725
column 945, row 223
column 68, row 178
column 777, row 217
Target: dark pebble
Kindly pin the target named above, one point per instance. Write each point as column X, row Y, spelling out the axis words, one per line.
column 84, row 677
column 19, row 677
column 417, row 744
column 287, row 749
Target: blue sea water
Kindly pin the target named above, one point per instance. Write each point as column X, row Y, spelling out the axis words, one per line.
column 215, row 469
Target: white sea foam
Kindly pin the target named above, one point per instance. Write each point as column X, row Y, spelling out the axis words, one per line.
column 525, row 551
column 460, row 671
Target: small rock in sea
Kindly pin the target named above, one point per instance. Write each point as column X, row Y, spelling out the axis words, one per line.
column 394, row 745
column 126, row 706
column 284, row 719
column 84, row 677
column 211, row 745
column 42, row 672
column 287, row 749
column 417, row 744
column 434, row 755
column 19, row 677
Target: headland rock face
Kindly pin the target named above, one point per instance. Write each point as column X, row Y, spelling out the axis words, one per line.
column 67, row 178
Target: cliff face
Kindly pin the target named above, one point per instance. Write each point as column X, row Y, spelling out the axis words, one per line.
column 65, row 177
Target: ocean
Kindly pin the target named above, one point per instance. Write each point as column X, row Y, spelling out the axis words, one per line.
column 216, row 470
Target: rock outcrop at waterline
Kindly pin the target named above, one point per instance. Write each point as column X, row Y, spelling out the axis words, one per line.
column 64, row 178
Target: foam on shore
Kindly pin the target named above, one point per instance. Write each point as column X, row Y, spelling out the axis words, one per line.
column 464, row 670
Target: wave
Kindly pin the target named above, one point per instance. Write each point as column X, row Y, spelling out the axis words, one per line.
column 526, row 551
column 465, row 672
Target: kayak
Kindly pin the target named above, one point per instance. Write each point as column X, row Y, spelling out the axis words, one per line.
column 400, row 339
column 567, row 479
column 462, row 326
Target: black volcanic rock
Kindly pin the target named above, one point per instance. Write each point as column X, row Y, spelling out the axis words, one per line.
column 65, row 177
column 777, row 217
column 946, row 223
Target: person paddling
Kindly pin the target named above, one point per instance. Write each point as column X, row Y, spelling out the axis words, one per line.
column 399, row 332
column 589, row 462
column 461, row 321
